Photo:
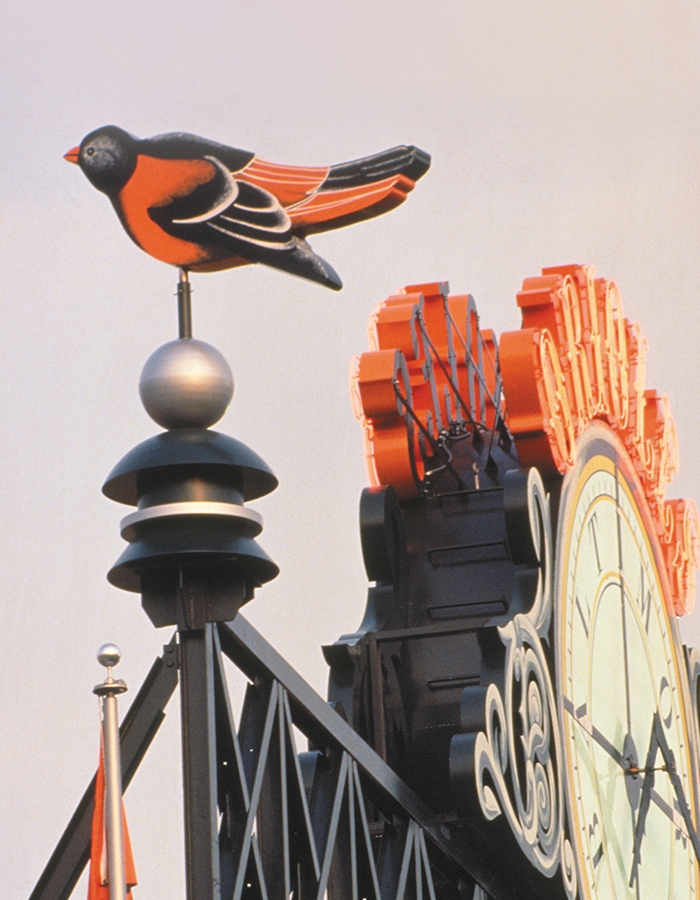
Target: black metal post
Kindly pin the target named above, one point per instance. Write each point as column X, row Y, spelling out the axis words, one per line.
column 199, row 764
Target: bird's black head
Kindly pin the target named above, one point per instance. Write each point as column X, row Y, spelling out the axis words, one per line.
column 107, row 156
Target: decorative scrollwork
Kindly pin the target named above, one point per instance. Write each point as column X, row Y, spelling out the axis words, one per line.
column 517, row 763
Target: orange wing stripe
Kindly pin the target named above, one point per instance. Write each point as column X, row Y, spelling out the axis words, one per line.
column 290, row 184
column 331, row 205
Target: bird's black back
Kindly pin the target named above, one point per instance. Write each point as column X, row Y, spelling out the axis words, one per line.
column 180, row 145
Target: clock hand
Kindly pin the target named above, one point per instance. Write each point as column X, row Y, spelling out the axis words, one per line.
column 645, row 798
column 581, row 716
column 658, row 742
column 670, row 767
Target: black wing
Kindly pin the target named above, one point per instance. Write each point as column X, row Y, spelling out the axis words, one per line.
column 238, row 219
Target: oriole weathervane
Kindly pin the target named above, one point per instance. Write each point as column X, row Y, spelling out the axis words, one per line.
column 204, row 206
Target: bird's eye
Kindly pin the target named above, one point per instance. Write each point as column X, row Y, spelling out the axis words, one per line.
column 90, row 151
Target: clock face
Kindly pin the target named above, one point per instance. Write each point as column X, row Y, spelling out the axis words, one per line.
column 622, row 694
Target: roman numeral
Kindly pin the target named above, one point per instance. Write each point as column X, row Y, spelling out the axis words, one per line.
column 584, row 611
column 594, row 836
column 644, row 600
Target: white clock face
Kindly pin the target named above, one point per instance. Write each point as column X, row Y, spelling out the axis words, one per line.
column 617, row 670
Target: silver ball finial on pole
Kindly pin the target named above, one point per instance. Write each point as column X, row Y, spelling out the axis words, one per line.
column 190, row 485
column 186, row 383
column 108, row 656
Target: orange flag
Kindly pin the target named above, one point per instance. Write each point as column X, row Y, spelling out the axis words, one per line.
column 98, row 887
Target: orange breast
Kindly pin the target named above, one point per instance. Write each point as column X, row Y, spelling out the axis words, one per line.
column 156, row 182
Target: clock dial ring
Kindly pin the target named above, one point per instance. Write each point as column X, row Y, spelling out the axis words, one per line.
column 618, row 666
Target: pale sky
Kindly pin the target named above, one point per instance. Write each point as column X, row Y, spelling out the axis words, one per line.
column 560, row 133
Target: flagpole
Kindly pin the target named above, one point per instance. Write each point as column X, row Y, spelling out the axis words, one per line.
column 109, row 655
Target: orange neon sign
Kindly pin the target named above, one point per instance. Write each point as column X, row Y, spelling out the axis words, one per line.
column 570, row 315
column 432, row 372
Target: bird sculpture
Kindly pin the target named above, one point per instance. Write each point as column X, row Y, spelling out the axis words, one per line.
column 204, row 206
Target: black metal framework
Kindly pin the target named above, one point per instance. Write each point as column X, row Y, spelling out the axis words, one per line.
column 334, row 819
column 262, row 820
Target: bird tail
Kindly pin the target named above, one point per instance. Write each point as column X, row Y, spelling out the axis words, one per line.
column 411, row 162
column 358, row 190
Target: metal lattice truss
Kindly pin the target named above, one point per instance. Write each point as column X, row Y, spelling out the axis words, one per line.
column 333, row 821
column 262, row 820
column 293, row 846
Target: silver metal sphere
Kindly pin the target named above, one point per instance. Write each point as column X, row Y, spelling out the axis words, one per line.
column 109, row 655
column 186, row 384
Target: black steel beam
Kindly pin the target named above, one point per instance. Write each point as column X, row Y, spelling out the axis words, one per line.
column 199, row 764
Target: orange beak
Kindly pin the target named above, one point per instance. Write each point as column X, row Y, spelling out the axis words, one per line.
column 72, row 155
